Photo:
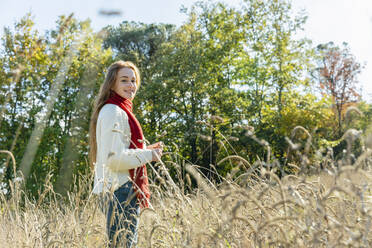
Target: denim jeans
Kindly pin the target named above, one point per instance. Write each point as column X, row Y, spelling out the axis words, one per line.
column 122, row 216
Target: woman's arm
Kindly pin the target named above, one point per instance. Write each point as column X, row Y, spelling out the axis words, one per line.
column 115, row 140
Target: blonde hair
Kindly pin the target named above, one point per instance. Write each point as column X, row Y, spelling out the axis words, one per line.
column 103, row 96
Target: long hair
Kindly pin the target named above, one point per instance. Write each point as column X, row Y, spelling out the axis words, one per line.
column 103, row 96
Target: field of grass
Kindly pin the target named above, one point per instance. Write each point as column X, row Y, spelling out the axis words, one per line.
column 329, row 208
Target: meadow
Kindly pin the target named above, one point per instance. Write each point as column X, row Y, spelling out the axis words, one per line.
column 328, row 207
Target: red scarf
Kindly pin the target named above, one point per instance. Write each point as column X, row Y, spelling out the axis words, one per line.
column 138, row 175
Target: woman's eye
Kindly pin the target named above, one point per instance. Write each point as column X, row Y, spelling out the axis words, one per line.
column 126, row 81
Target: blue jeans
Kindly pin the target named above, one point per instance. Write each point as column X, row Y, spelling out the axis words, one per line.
column 122, row 216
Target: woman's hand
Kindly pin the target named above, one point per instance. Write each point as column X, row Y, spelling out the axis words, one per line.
column 159, row 144
column 157, row 150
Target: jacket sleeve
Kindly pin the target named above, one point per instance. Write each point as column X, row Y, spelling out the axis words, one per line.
column 115, row 141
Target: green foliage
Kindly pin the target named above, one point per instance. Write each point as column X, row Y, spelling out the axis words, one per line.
column 49, row 84
column 224, row 83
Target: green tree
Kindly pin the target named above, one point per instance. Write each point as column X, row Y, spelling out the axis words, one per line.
column 51, row 80
column 273, row 68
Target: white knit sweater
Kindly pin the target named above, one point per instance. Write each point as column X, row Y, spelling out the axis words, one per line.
column 114, row 158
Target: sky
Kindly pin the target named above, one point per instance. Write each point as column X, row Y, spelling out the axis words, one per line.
column 343, row 21
column 328, row 20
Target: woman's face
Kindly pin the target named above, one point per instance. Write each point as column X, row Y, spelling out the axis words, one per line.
column 125, row 84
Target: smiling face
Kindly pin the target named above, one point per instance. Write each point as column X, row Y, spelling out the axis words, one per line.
column 125, row 84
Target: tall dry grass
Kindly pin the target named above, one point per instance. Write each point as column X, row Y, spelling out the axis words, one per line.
column 327, row 208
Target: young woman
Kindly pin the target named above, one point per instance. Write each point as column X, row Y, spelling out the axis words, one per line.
column 119, row 154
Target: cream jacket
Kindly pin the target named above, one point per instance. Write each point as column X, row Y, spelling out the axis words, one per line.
column 114, row 158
